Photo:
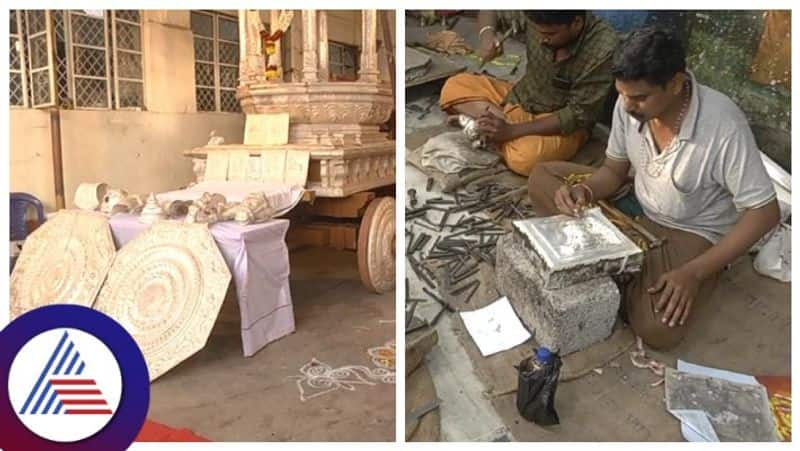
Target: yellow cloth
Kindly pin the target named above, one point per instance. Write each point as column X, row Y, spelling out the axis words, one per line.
column 772, row 63
column 520, row 154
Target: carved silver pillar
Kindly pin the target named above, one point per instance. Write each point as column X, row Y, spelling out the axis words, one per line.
column 275, row 60
column 310, row 43
column 251, row 67
column 369, row 52
column 324, row 57
column 242, row 45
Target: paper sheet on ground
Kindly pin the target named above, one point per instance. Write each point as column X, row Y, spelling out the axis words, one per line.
column 495, row 327
column 695, row 425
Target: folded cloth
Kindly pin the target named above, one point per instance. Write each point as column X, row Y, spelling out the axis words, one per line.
column 449, row 42
column 452, row 152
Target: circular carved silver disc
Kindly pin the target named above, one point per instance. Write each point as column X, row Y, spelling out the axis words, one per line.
column 64, row 261
column 166, row 288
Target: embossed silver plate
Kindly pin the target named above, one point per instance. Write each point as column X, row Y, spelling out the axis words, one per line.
column 563, row 241
column 566, row 250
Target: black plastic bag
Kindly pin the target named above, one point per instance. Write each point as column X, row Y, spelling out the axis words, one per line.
column 536, row 389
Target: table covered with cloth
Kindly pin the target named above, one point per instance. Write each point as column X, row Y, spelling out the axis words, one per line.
column 258, row 259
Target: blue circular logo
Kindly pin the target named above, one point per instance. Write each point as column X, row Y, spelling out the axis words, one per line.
column 74, row 379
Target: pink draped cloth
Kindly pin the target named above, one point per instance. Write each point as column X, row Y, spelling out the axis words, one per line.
column 258, row 259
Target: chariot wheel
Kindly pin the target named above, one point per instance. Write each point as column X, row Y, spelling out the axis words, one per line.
column 376, row 245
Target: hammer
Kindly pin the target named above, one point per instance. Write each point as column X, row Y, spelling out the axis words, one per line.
column 498, row 44
column 653, row 240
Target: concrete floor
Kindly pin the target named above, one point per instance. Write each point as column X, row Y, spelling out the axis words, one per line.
column 745, row 327
column 223, row 396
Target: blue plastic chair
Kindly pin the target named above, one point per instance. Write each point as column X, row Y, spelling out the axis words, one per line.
column 19, row 204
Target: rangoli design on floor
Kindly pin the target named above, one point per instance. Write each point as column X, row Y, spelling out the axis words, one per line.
column 384, row 356
column 318, row 378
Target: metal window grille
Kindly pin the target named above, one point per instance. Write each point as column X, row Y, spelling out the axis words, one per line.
column 342, row 61
column 90, row 60
column 76, row 60
column 62, row 60
column 216, row 54
column 38, row 27
column 18, row 73
column 126, row 34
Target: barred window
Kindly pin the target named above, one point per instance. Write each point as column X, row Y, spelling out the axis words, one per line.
column 63, row 66
column 216, row 56
column 39, row 34
column 77, row 59
column 18, row 82
column 90, row 60
column 127, row 43
column 343, row 61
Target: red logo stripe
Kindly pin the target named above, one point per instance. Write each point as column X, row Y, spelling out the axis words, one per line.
column 89, row 412
column 79, row 392
column 72, row 381
column 81, row 402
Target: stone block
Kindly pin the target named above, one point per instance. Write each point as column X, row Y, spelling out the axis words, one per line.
column 567, row 319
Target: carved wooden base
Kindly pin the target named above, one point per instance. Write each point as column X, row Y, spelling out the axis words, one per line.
column 376, row 245
column 318, row 103
column 352, row 170
column 335, row 134
column 334, row 171
column 323, row 112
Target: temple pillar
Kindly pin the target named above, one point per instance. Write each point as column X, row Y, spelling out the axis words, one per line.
column 310, row 44
column 276, row 60
column 324, row 57
column 369, row 53
column 251, row 58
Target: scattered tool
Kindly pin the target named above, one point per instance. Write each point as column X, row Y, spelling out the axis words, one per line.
column 410, row 313
column 416, row 324
column 441, row 302
column 412, row 197
column 521, row 191
column 453, row 182
column 436, row 318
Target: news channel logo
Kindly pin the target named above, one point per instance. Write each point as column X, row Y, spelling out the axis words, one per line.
column 75, row 380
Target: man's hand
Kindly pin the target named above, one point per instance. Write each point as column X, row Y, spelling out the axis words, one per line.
column 488, row 48
column 571, row 200
column 679, row 289
column 495, row 128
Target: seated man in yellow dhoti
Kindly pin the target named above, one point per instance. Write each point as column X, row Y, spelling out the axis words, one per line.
column 549, row 113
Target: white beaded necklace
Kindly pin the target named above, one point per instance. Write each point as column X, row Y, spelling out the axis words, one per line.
column 649, row 162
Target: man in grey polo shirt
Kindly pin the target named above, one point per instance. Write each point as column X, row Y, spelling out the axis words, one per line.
column 698, row 177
